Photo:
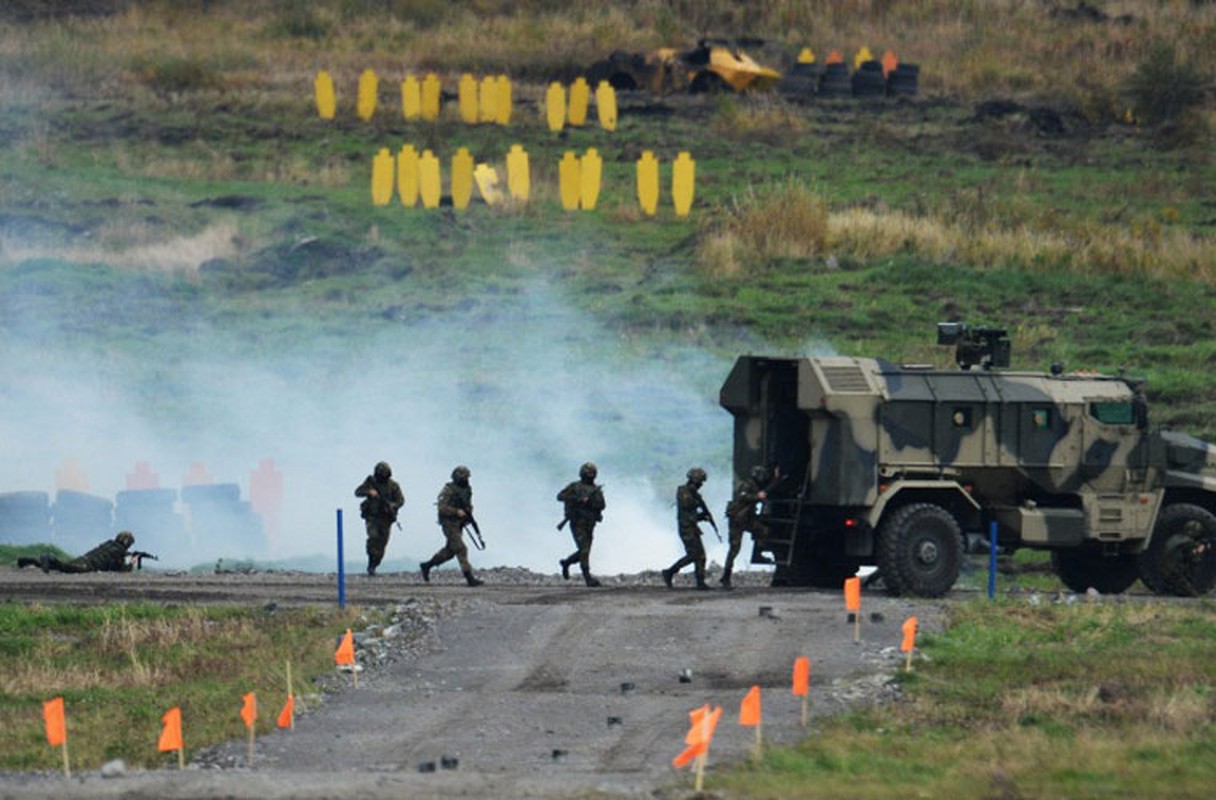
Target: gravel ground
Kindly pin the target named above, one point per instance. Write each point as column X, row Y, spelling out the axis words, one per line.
column 527, row 687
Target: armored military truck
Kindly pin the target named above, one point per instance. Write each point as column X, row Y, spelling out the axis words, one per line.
column 906, row 467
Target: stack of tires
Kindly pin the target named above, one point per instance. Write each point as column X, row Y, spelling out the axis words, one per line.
column 903, row 81
column 868, row 80
column 801, row 80
column 149, row 514
column 835, row 83
column 81, row 521
column 25, row 518
column 221, row 524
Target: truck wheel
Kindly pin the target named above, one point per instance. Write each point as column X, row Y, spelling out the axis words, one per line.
column 920, row 550
column 1181, row 557
column 1082, row 570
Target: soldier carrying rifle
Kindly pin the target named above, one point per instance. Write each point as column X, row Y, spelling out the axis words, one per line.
column 584, row 503
column 455, row 506
column 109, row 556
column 382, row 500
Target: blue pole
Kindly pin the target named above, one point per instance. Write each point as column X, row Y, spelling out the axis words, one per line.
column 992, row 560
column 341, row 566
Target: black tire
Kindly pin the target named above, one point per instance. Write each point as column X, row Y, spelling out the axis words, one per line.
column 920, row 550
column 1170, row 564
column 1081, row 570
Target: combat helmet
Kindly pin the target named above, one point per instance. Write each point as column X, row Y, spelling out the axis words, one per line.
column 460, row 474
column 383, row 471
column 588, row 471
column 697, row 475
column 760, row 474
column 125, row 538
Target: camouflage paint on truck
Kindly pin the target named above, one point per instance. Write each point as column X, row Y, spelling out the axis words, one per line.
column 900, row 467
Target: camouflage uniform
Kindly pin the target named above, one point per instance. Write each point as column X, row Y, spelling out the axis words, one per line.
column 742, row 517
column 382, row 499
column 109, row 556
column 690, row 510
column 455, row 506
column 584, row 503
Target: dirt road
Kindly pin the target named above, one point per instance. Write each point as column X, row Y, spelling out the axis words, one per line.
column 533, row 688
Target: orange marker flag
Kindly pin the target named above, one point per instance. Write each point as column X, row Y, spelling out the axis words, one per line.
column 249, row 711
column 346, row 650
column 852, row 594
column 909, row 642
column 699, row 735
column 802, row 675
column 287, row 715
column 171, row 733
column 56, row 725
column 749, row 709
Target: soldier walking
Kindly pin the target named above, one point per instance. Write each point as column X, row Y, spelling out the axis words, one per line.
column 382, row 499
column 455, row 506
column 690, row 511
column 584, row 503
column 109, row 556
column 742, row 516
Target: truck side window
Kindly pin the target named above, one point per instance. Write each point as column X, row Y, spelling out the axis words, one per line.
column 1112, row 413
column 1041, row 417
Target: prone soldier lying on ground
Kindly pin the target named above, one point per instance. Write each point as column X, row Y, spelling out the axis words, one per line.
column 109, row 556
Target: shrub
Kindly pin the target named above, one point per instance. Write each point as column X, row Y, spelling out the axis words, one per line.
column 1162, row 88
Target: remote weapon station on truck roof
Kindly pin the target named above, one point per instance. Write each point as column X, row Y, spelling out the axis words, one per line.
column 903, row 467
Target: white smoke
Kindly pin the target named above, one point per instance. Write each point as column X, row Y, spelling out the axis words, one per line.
column 522, row 393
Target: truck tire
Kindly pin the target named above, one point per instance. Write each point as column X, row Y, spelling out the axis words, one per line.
column 920, row 550
column 1081, row 570
column 1170, row 564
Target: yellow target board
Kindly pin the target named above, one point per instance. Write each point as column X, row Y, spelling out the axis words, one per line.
column 519, row 179
column 580, row 95
column 430, row 98
column 428, row 179
column 683, row 181
column 555, row 106
column 486, row 178
column 569, row 177
column 462, row 179
column 605, row 105
column 503, row 108
column 382, row 177
column 590, row 174
column 327, row 104
column 467, row 99
column 411, row 98
column 487, row 99
column 407, row 176
column 369, row 86
column 648, row 183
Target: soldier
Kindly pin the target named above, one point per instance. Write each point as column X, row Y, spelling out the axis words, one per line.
column 742, row 515
column 690, row 510
column 382, row 499
column 584, row 502
column 455, row 510
column 109, row 556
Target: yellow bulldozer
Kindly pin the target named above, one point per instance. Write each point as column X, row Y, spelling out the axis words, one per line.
column 714, row 65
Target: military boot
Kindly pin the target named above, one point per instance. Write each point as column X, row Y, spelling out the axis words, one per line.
column 425, row 567
column 725, row 581
column 565, row 569
column 469, row 579
column 667, row 576
column 701, row 584
column 588, row 578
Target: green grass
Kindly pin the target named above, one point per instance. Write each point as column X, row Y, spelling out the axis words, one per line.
column 120, row 667
column 1013, row 700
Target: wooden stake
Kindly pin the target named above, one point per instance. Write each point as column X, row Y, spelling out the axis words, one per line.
column 249, row 758
column 291, row 694
column 700, row 780
column 857, row 627
column 67, row 770
column 181, row 758
column 759, row 743
column 805, row 709
column 908, row 662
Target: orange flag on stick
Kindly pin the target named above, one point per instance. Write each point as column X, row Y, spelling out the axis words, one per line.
column 56, row 725
column 909, row 629
column 749, row 709
column 289, row 710
column 852, row 594
column 346, row 650
column 249, row 711
column 802, row 675
column 171, row 733
column 699, row 735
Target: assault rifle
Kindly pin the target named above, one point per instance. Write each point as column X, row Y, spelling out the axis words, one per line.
column 385, row 506
column 137, row 558
column 708, row 516
column 474, row 530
